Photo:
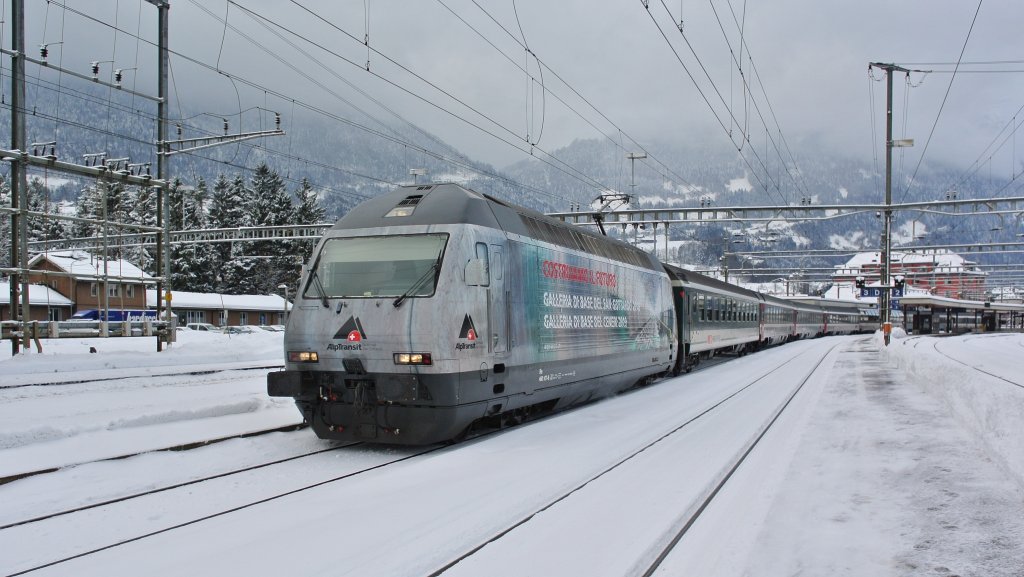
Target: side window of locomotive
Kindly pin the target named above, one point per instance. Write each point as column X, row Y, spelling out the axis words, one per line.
column 497, row 264
column 478, row 271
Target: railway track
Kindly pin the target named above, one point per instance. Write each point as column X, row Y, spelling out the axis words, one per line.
column 384, row 461
column 247, row 490
column 182, row 447
column 697, row 508
column 935, row 345
column 135, row 374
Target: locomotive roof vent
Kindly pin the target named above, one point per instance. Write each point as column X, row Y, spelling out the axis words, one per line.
column 406, row 206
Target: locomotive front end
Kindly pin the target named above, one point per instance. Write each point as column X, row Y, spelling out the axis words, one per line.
column 362, row 361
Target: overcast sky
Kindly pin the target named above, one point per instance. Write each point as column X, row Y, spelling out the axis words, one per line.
column 811, row 58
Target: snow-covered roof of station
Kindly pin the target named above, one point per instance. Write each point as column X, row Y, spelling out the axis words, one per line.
column 80, row 262
column 40, row 295
column 217, row 301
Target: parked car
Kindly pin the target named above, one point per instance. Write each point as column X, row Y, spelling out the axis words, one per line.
column 273, row 328
column 238, row 330
column 203, row 327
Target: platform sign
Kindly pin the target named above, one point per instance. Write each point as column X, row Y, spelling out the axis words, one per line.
column 876, row 291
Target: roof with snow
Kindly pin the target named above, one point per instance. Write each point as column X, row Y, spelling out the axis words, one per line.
column 941, row 258
column 216, row 301
column 38, row 295
column 80, row 262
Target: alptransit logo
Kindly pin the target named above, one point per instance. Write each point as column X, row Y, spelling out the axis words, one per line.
column 468, row 332
column 353, row 333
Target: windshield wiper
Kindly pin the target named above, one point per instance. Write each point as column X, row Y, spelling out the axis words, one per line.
column 314, row 279
column 416, row 286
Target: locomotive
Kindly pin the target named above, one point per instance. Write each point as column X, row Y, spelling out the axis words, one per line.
column 434, row 310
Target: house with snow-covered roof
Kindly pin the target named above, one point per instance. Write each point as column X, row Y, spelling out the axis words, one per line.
column 225, row 310
column 89, row 281
column 937, row 271
column 45, row 304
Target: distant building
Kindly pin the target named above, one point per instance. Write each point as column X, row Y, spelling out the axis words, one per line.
column 225, row 310
column 80, row 278
column 45, row 304
column 938, row 272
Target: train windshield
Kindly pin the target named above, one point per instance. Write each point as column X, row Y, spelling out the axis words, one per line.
column 377, row 266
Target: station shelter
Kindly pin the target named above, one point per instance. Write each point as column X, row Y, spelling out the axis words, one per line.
column 930, row 314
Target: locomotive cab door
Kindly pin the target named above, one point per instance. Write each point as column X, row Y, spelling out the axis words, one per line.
column 497, row 303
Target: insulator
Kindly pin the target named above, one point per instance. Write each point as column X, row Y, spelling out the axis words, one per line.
column 117, row 76
column 277, row 120
column 95, row 68
column 225, row 126
column 44, row 51
column 179, row 130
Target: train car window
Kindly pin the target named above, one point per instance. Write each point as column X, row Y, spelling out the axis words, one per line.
column 498, row 267
column 377, row 266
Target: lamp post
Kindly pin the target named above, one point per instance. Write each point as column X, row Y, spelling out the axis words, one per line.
column 284, row 287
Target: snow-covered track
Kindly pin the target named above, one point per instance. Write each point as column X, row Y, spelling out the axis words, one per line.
column 177, row 485
column 123, row 374
column 381, row 460
column 975, row 367
column 727, row 475
column 697, row 507
column 181, row 447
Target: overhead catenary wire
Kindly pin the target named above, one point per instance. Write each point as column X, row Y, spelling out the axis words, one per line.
column 704, row 96
column 557, row 164
column 321, row 111
column 942, row 106
column 573, row 90
column 255, row 85
column 799, row 185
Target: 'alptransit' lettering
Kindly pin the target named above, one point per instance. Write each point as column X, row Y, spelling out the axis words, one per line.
column 562, row 271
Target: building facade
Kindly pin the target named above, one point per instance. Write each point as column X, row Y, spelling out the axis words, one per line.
column 938, row 272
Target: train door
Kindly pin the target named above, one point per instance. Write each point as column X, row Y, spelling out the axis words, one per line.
column 686, row 307
column 498, row 314
column 760, row 322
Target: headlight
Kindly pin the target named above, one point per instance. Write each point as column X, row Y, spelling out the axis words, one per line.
column 412, row 359
column 303, row 357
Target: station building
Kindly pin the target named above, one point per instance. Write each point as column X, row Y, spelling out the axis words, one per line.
column 938, row 272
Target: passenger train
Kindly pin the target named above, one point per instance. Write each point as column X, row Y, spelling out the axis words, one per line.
column 432, row 311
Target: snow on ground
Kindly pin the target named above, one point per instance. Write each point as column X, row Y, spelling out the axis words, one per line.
column 883, row 478
column 122, row 399
column 896, row 461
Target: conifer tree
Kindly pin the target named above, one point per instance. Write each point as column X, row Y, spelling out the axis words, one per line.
column 229, row 209
column 309, row 211
column 271, row 205
column 193, row 265
column 43, row 228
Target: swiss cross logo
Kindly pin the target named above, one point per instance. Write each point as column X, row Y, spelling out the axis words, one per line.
column 351, row 331
column 468, row 331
